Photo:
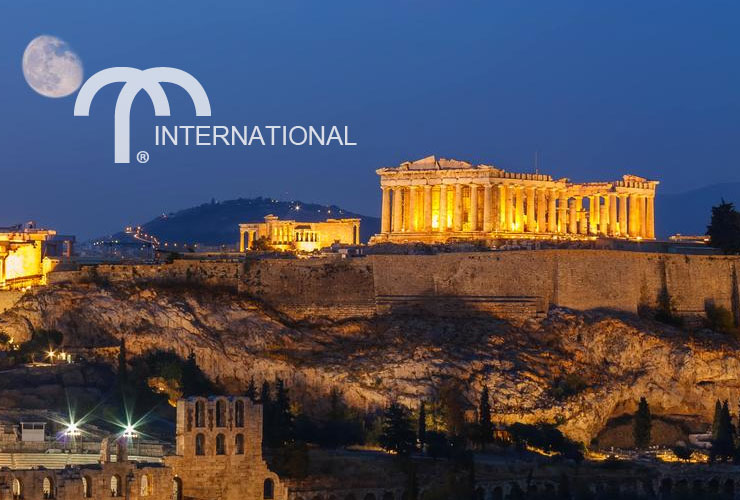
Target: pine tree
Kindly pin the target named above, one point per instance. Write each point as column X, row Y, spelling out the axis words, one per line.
column 643, row 425
column 485, row 425
column 397, row 435
column 715, row 420
column 724, row 228
column 723, row 446
column 422, row 427
column 251, row 391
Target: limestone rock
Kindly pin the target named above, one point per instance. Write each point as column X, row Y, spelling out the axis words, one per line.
column 613, row 360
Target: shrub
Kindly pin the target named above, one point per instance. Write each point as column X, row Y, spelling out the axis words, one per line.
column 720, row 319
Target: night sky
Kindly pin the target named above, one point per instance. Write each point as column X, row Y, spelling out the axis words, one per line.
column 598, row 88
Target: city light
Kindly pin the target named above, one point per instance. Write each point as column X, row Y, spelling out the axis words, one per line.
column 72, row 430
column 129, row 431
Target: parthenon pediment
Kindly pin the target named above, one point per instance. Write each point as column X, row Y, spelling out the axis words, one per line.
column 431, row 163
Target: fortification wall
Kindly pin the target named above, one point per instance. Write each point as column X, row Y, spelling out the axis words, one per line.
column 512, row 283
column 222, row 274
column 304, row 289
column 578, row 279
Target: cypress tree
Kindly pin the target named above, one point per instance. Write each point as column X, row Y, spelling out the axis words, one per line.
column 715, row 420
column 122, row 368
column 281, row 415
column 485, row 425
column 723, row 446
column 251, row 391
column 643, row 425
column 265, row 398
column 422, row 427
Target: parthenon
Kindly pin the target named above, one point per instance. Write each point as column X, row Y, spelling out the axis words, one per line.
column 437, row 200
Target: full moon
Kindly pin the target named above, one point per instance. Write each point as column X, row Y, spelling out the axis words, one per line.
column 51, row 68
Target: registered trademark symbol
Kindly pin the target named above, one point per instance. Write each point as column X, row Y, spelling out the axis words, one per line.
column 142, row 157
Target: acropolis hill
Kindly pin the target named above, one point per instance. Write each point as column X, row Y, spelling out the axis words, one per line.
column 397, row 325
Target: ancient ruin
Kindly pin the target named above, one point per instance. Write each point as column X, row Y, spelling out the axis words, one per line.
column 28, row 254
column 300, row 236
column 438, row 200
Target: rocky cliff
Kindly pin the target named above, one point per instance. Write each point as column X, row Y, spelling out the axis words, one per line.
column 578, row 369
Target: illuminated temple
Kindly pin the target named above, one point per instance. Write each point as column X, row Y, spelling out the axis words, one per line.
column 437, row 200
column 299, row 236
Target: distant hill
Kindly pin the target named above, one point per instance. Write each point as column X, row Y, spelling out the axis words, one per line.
column 689, row 212
column 217, row 223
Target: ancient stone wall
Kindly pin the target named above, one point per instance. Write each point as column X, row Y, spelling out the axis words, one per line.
column 313, row 288
column 510, row 283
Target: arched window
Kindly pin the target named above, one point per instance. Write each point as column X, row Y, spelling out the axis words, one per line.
column 47, row 487
column 17, row 488
column 220, row 413
column 176, row 488
column 115, row 486
column 220, row 444
column 145, row 489
column 200, row 444
column 200, row 414
column 239, row 444
column 268, row 490
column 239, row 414
column 86, row 487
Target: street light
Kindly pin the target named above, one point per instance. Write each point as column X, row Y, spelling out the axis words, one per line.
column 72, row 430
column 129, row 431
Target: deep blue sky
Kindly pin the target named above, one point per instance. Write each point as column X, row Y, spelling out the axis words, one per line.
column 599, row 88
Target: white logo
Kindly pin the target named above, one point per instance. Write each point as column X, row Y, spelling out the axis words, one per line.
column 136, row 80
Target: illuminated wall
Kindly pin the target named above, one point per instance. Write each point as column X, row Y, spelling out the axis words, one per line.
column 23, row 262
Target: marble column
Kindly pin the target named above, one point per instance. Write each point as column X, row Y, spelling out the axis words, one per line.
column 593, row 213
column 499, row 196
column 530, row 224
column 442, row 207
column 552, row 226
column 650, row 224
column 613, row 226
column 519, row 214
column 562, row 211
column 487, row 205
column 427, row 208
column 413, row 208
column 397, row 211
column 541, row 207
column 473, row 207
column 507, row 205
column 633, row 224
column 385, row 217
column 623, row 215
column 573, row 216
column 643, row 216
column 603, row 218
column 457, row 211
